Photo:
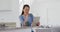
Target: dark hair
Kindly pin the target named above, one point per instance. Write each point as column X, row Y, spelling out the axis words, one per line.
column 24, row 7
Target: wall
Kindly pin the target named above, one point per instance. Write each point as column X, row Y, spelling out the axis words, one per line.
column 9, row 11
column 48, row 10
column 54, row 12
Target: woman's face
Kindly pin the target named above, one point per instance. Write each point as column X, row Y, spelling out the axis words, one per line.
column 26, row 10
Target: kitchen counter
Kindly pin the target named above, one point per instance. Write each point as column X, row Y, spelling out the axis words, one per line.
column 9, row 29
column 28, row 29
column 14, row 28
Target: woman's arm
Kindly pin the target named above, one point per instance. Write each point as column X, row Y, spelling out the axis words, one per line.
column 31, row 19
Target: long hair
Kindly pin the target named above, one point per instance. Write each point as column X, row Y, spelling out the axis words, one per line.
column 24, row 7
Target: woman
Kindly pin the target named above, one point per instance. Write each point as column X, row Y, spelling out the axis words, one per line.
column 26, row 18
